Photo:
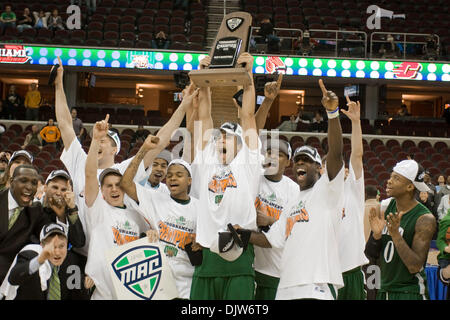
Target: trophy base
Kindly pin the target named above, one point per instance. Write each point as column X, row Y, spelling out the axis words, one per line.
column 225, row 77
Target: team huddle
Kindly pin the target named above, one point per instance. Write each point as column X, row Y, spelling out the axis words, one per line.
column 232, row 225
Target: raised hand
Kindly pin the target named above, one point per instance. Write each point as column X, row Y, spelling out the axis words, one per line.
column 393, row 222
column 329, row 99
column 190, row 96
column 354, row 110
column 271, row 89
column 247, row 59
column 377, row 221
column 47, row 251
column 100, row 130
column 59, row 73
column 205, row 62
column 69, row 198
column 151, row 142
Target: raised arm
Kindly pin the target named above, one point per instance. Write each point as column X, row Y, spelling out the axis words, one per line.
column 165, row 133
column 99, row 132
column 62, row 111
column 248, row 119
column 126, row 183
column 413, row 257
column 334, row 157
column 191, row 118
column 201, row 137
column 271, row 90
column 356, row 157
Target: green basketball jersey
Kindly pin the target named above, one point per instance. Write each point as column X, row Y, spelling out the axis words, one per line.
column 395, row 276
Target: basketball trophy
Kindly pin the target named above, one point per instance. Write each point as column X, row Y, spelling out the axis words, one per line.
column 231, row 40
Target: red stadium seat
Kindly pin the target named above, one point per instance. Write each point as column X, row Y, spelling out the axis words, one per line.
column 145, row 20
column 375, row 142
column 440, row 145
column 427, row 164
column 380, row 148
column 437, row 157
column 392, row 142
column 408, row 144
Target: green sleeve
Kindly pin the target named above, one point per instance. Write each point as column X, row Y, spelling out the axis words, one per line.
column 440, row 240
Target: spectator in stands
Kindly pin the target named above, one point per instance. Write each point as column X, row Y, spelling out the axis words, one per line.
column 301, row 117
column 288, row 125
column 13, row 101
column 26, row 21
column 4, row 158
column 33, row 138
column 55, row 21
column 78, row 125
column 268, row 36
column 8, row 18
column 425, row 199
column 140, row 135
column 40, row 19
column 430, row 49
column 317, row 123
column 305, row 44
column 441, row 183
column 388, row 49
column 160, row 41
column 403, row 111
column 442, row 192
column 427, row 180
column 443, row 207
column 446, row 113
column 32, row 103
column 50, row 134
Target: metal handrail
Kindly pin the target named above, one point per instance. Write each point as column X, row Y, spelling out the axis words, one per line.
column 404, row 34
column 277, row 29
column 337, row 39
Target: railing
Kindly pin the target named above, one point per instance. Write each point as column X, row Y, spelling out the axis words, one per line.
column 321, row 34
column 404, row 41
column 336, row 38
column 297, row 32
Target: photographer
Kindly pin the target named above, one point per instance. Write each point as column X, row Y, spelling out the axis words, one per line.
column 160, row 41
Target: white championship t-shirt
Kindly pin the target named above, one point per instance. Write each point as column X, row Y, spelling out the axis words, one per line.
column 109, row 227
column 74, row 158
column 273, row 198
column 309, row 233
column 176, row 224
column 351, row 237
column 226, row 192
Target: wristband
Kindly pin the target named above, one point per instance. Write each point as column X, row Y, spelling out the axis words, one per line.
column 71, row 210
column 333, row 114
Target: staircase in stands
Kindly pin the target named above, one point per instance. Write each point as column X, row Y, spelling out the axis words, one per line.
column 216, row 11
